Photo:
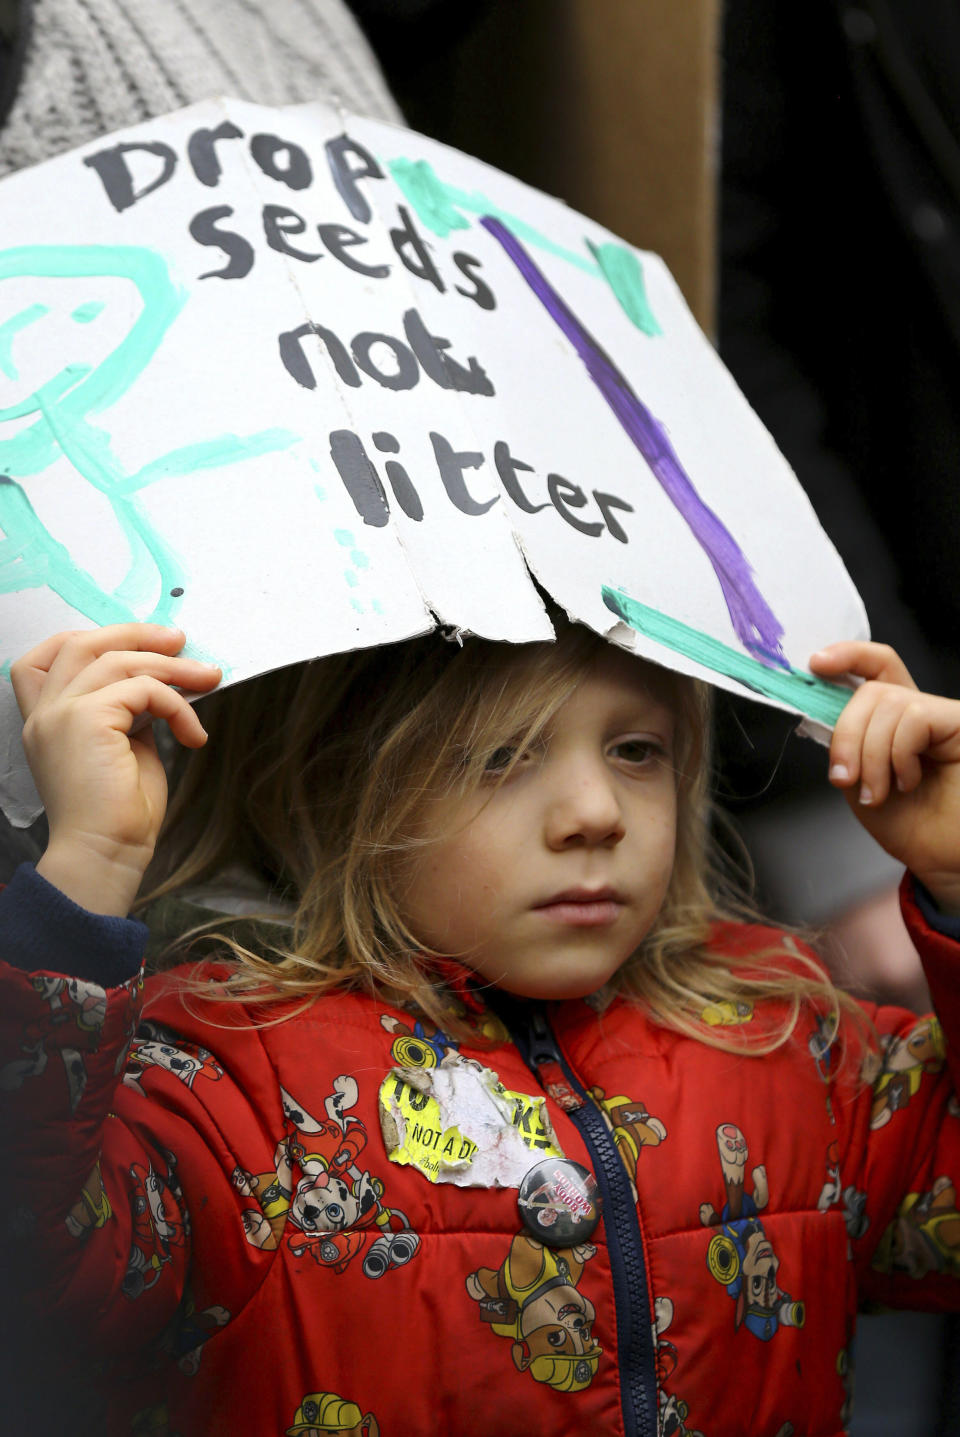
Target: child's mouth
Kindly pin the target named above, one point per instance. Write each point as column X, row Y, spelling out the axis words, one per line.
column 583, row 907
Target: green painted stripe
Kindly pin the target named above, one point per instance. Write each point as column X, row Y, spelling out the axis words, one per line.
column 439, row 206
column 11, row 327
column 817, row 698
column 622, row 270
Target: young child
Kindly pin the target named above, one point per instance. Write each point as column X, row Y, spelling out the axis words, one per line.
column 495, row 1121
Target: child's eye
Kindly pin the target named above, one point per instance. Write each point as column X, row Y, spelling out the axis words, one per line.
column 638, row 750
column 501, row 759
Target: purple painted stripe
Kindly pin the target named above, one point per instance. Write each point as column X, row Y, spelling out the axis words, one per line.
column 753, row 620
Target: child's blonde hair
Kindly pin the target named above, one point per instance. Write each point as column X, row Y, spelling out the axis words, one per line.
column 315, row 777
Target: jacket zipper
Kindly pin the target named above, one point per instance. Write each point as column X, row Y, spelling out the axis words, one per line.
column 531, row 1031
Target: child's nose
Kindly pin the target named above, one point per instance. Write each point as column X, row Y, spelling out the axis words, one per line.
column 583, row 808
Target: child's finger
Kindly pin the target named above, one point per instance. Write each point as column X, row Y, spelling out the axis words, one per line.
column 58, row 659
column 120, row 707
column 865, row 660
column 888, row 723
column 130, row 698
column 849, row 734
column 111, row 668
column 881, row 735
column 913, row 737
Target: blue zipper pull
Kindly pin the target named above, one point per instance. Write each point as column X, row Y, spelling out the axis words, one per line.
column 545, row 1059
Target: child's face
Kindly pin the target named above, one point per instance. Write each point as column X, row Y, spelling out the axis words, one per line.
column 545, row 883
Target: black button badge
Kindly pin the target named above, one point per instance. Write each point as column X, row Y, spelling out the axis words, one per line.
column 559, row 1203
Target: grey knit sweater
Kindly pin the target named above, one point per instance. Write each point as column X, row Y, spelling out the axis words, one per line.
column 87, row 67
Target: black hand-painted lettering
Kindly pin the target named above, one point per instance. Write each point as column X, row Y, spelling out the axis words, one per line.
column 361, row 481
column 507, row 467
column 296, row 364
column 339, row 239
column 451, row 465
column 442, row 368
column 279, row 222
column 204, row 229
column 400, row 481
column 607, row 502
column 481, row 293
column 413, row 251
column 407, row 372
column 295, row 170
column 403, row 490
column 202, row 153
column 116, row 177
column 350, row 162
column 567, row 496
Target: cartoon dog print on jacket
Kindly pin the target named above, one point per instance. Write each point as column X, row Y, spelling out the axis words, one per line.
column 532, row 1299
column 726, row 1013
column 632, row 1128
column 71, row 1026
column 924, row 1236
column 664, row 1352
column 328, row 1207
column 190, row 1331
column 845, row 1373
column 420, row 1045
column 672, row 1417
column 740, row 1255
column 91, row 1210
column 820, row 1046
column 157, row 1047
column 324, row 1414
column 854, row 1201
column 672, row 1413
column 904, row 1062
column 160, row 1223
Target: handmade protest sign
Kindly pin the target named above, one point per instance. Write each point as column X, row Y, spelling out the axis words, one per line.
column 301, row 382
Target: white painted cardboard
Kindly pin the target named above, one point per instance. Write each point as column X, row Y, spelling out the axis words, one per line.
column 166, row 453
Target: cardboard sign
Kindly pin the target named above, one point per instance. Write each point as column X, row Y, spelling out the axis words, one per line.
column 300, row 382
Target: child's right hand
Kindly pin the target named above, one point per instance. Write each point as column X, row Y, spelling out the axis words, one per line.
column 102, row 784
column 896, row 754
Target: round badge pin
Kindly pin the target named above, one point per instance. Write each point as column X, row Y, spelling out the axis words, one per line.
column 559, row 1203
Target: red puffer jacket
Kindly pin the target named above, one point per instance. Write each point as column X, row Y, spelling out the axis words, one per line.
column 216, row 1224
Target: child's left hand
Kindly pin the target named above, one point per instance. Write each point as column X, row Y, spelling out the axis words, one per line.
column 896, row 754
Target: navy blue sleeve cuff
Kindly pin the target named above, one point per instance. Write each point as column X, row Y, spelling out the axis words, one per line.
column 945, row 923
column 41, row 929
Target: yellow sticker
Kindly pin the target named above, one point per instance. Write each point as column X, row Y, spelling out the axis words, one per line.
column 457, row 1123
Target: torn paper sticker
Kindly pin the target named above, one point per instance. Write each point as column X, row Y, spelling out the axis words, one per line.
column 457, row 1123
